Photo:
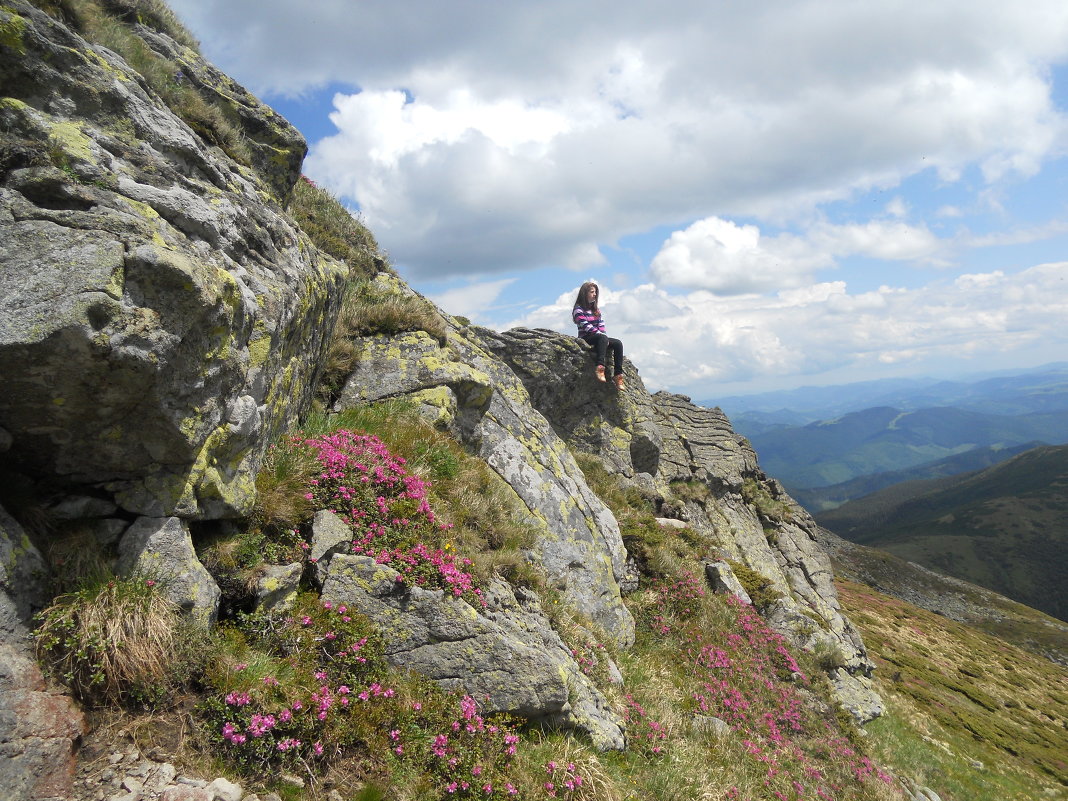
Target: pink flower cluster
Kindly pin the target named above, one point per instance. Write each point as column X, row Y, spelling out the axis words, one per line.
column 471, row 756
column 646, row 734
column 564, row 780
column 747, row 677
column 387, row 508
column 588, row 656
column 467, row 755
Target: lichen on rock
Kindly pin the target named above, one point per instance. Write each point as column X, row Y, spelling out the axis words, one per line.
column 469, row 391
column 161, row 318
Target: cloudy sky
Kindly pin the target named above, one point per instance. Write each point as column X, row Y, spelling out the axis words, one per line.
column 770, row 194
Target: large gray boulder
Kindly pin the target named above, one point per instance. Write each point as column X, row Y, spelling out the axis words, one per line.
column 659, row 439
column 506, row 654
column 161, row 319
column 473, row 394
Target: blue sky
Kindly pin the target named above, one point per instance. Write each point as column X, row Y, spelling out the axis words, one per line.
column 774, row 194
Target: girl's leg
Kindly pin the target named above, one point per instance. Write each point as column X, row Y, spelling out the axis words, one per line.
column 617, row 355
column 600, row 346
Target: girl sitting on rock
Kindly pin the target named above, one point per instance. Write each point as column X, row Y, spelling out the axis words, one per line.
column 587, row 316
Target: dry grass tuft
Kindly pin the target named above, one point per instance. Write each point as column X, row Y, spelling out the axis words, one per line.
column 76, row 559
column 112, row 643
column 282, row 484
column 373, row 309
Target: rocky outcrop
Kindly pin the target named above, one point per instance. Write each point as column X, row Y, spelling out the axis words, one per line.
column 275, row 147
column 506, row 654
column 39, row 728
column 473, row 394
column 161, row 550
column 659, row 441
column 160, row 319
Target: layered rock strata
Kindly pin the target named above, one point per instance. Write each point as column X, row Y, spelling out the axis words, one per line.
column 662, row 441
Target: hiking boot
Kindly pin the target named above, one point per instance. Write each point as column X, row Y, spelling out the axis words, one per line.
column 600, row 372
column 619, row 382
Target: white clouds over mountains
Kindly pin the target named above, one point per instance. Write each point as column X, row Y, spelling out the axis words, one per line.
column 698, row 341
column 728, row 259
column 573, row 124
column 483, row 140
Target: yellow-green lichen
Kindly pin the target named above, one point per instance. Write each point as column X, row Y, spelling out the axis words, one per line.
column 116, row 282
column 113, row 434
column 12, row 30
column 71, row 140
column 258, row 351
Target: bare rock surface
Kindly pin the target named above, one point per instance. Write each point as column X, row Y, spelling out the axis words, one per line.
column 39, row 727
column 659, row 439
column 160, row 317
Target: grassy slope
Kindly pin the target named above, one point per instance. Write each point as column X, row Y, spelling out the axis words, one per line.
column 1002, row 528
column 971, row 716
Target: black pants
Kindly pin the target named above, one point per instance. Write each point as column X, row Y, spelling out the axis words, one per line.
column 601, row 343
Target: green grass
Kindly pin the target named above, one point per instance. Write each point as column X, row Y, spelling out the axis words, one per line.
column 335, row 230
column 369, row 308
column 969, row 697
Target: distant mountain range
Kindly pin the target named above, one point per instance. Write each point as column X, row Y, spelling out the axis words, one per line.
column 1037, row 390
column 1004, row 527
column 886, row 439
column 819, row 499
column 829, row 445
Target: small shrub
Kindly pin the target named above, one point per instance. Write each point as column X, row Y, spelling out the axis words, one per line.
column 114, row 642
column 335, row 230
column 828, row 656
column 760, row 588
column 388, row 509
column 486, row 515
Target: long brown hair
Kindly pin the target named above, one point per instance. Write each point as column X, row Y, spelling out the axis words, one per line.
column 582, row 300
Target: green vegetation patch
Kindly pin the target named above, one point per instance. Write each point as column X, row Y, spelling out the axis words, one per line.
column 987, row 701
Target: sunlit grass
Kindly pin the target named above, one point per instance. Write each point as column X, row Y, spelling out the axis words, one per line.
column 974, row 717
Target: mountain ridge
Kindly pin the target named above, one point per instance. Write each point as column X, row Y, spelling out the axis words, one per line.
column 1001, row 527
column 882, row 439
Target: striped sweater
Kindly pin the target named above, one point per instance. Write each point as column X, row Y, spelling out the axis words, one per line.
column 588, row 322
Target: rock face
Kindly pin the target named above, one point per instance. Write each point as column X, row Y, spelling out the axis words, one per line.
column 38, row 728
column 160, row 318
column 658, row 440
column 506, row 653
column 276, row 148
column 476, row 397
column 161, row 549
